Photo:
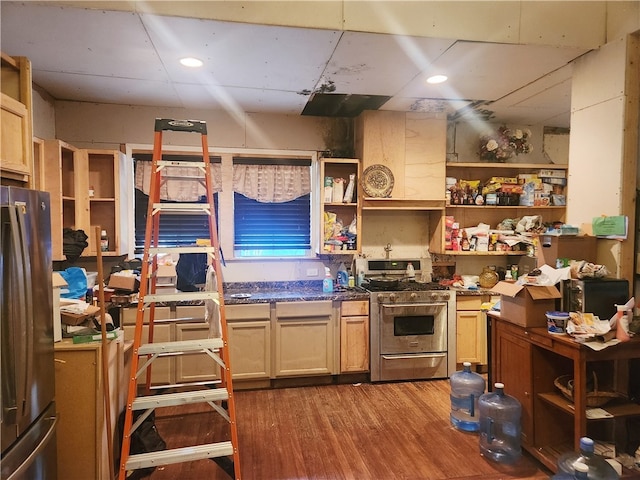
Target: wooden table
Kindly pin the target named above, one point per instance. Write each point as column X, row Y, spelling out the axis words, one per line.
column 529, row 360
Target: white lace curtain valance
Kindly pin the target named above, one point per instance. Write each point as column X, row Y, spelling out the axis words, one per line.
column 264, row 183
column 177, row 189
column 272, row 183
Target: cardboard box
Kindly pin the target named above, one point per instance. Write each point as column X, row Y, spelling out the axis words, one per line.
column 76, row 318
column 526, row 305
column 127, row 283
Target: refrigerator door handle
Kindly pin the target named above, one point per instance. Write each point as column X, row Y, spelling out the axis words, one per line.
column 9, row 344
column 19, row 472
column 27, row 371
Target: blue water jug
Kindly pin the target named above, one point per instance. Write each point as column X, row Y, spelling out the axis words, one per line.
column 466, row 388
column 500, row 426
column 599, row 468
column 581, row 472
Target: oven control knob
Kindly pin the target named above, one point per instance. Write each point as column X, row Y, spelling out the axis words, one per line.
column 413, row 296
column 392, row 297
column 380, row 298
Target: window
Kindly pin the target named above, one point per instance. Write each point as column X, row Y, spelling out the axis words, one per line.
column 276, row 223
column 272, row 229
column 175, row 230
column 264, row 204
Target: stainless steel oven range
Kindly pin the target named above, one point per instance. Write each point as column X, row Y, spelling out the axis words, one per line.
column 412, row 328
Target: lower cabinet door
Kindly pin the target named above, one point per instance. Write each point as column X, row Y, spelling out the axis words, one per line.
column 195, row 367
column 250, row 347
column 162, row 368
column 304, row 339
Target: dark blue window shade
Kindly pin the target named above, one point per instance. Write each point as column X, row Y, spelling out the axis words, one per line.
column 175, row 230
column 272, row 227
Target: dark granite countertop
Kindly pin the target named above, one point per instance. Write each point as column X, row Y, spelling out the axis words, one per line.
column 467, row 292
column 266, row 292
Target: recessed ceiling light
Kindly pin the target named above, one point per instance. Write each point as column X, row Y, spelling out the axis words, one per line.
column 191, row 62
column 437, row 79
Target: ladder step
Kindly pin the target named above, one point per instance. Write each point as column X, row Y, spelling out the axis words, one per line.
column 182, row 208
column 178, row 297
column 179, row 163
column 187, row 249
column 179, row 455
column 180, row 398
column 181, row 346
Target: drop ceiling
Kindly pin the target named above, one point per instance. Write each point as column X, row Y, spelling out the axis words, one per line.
column 131, row 58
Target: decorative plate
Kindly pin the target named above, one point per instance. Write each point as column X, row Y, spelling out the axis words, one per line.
column 377, row 181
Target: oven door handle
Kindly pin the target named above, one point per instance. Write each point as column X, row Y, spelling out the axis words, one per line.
column 419, row 355
column 416, row 304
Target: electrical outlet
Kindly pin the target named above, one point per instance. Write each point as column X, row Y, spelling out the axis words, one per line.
column 312, row 272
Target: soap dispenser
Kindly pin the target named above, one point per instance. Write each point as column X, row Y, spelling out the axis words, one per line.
column 327, row 283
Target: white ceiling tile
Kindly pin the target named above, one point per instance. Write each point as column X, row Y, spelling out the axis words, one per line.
column 83, row 88
column 240, row 54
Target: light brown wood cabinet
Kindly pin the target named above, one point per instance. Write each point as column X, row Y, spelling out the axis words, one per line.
column 413, row 146
column 16, row 122
column 88, row 188
column 305, row 336
column 249, row 332
column 354, row 336
column 471, row 329
column 345, row 212
column 529, row 360
column 82, row 427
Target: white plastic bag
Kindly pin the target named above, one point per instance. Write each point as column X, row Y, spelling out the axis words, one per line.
column 212, row 307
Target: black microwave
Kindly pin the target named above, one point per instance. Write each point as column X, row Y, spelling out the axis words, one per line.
column 594, row 295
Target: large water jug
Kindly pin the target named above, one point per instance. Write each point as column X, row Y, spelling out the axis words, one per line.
column 466, row 388
column 599, row 468
column 581, row 472
column 500, row 426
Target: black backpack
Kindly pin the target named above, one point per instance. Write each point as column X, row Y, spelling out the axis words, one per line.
column 144, row 439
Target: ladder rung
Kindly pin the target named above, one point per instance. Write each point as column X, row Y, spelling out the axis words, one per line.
column 201, row 383
column 182, row 208
column 177, row 297
column 180, row 398
column 179, row 455
column 181, row 346
column 188, row 249
column 178, row 163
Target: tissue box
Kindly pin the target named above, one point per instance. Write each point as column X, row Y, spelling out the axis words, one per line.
column 526, row 305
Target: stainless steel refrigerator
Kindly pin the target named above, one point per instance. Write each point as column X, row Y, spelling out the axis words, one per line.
column 28, row 414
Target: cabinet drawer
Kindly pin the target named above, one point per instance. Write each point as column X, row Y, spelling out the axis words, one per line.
column 261, row 311
column 468, row 302
column 321, row 308
column 354, row 308
column 194, row 313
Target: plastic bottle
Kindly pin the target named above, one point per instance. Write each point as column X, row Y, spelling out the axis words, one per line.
column 599, row 468
column 466, row 389
column 104, row 241
column 411, row 272
column 342, row 277
column 500, row 426
column 581, row 472
column 327, row 282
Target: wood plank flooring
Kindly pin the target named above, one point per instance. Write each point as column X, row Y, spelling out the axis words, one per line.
column 361, row 431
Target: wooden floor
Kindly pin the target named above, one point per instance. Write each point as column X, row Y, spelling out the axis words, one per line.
column 362, row 431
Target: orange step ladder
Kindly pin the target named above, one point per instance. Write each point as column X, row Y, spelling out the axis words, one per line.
column 218, row 393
